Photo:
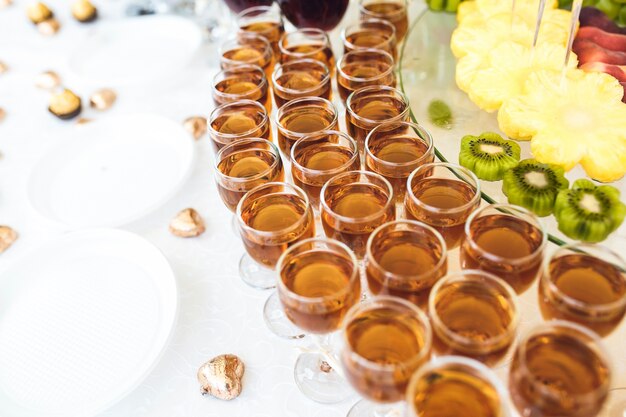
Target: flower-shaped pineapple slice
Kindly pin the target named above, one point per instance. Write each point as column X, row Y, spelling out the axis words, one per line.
column 509, row 66
column 578, row 118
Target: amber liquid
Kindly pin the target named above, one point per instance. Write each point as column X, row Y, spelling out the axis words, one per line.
column 247, row 164
column 243, row 86
column 313, row 50
column 248, row 54
column 367, row 70
column 356, row 201
column 442, row 193
column 397, row 150
column 371, row 38
column 321, row 14
column 319, row 274
column 244, row 121
column 588, row 280
column 274, row 213
column 564, row 367
column 272, row 31
column 413, row 257
column 454, row 393
column 377, row 109
column 394, row 12
column 507, row 237
column 305, row 83
column 306, row 119
column 477, row 314
column 384, row 337
column 324, row 160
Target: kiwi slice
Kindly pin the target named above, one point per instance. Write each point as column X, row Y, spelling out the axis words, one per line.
column 534, row 185
column 488, row 155
column 587, row 212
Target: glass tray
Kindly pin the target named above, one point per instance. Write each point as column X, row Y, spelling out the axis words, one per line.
column 426, row 68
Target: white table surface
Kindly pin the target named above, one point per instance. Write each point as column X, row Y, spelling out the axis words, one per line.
column 218, row 313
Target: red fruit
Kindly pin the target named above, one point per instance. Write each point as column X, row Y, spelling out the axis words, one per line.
column 612, row 41
column 590, row 16
column 588, row 51
column 616, row 71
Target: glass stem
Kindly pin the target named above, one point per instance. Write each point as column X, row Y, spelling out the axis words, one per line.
column 325, row 349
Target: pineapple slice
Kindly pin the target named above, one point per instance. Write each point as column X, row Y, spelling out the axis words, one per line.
column 465, row 8
column 578, row 118
column 509, row 66
column 480, row 37
column 467, row 67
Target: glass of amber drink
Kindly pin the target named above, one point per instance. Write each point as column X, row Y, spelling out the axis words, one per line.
column 370, row 33
column 370, row 106
column 394, row 150
column 309, row 43
column 247, row 48
column 299, row 79
column 454, row 386
column 242, row 82
column 405, row 258
column 506, row 240
column 318, row 157
column 393, row 11
column 271, row 218
column 319, row 282
column 560, row 369
column 475, row 314
column 442, row 195
column 353, row 204
column 242, row 119
column 585, row 284
column 386, row 339
column 301, row 117
column 364, row 67
column 266, row 21
column 244, row 165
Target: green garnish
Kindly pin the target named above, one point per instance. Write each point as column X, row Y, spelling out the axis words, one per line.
column 440, row 113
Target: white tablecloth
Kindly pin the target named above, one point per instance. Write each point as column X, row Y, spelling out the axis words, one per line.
column 218, row 313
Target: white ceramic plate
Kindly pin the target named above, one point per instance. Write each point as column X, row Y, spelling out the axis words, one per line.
column 83, row 319
column 111, row 172
column 136, row 50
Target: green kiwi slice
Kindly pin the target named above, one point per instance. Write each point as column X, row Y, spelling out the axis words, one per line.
column 587, row 212
column 534, row 185
column 488, row 155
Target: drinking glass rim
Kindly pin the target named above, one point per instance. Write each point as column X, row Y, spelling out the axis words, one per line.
column 271, row 168
column 237, row 103
column 308, row 300
column 327, row 132
column 483, row 371
column 369, row 257
column 324, row 80
column 546, row 280
column 250, row 35
column 307, row 31
column 594, row 344
column 287, row 229
column 345, row 219
column 383, row 74
column 363, row 10
column 378, row 88
column 296, row 101
column 391, row 40
column 451, row 167
column 470, row 275
column 386, row 299
column 415, row 126
column 244, row 14
column 251, row 67
column 506, row 208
